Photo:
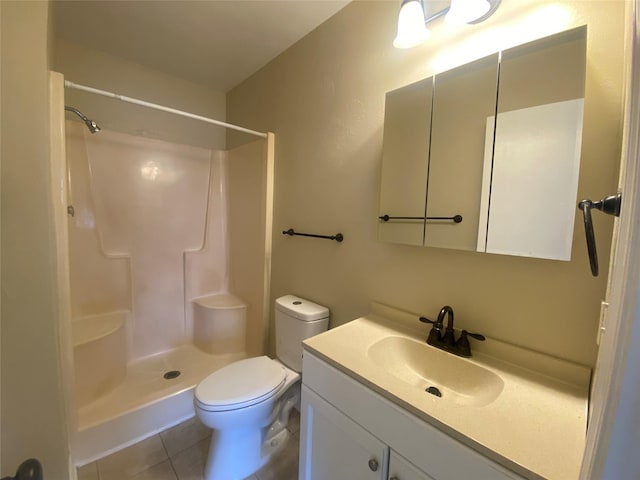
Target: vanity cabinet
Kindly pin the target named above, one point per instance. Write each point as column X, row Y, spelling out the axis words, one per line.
column 337, row 447
column 350, row 431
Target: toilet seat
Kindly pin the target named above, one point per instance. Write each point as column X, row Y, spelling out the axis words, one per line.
column 240, row 384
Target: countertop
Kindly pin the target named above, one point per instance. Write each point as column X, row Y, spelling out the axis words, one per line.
column 536, row 426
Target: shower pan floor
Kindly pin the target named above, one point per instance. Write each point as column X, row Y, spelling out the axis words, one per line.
column 146, row 402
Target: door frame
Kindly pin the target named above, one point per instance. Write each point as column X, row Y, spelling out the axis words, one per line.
column 613, row 434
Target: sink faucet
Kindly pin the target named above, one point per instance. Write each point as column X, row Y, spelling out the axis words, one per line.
column 446, row 341
column 448, row 338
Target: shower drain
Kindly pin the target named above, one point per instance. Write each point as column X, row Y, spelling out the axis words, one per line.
column 171, row 374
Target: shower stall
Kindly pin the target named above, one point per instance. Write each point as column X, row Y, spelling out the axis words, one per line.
column 163, row 271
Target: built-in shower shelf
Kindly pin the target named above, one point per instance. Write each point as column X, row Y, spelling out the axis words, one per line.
column 221, row 301
column 220, row 324
column 92, row 328
column 99, row 354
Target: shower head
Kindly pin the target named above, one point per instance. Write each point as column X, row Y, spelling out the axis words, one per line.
column 91, row 125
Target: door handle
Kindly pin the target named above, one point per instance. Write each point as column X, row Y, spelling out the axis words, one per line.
column 609, row 205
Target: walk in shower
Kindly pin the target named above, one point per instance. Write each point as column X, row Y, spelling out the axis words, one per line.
column 167, row 260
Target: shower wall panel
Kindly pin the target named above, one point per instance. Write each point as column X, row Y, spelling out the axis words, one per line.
column 250, row 203
column 99, row 283
column 149, row 205
column 206, row 269
column 159, row 224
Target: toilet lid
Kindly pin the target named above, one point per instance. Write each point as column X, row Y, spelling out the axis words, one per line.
column 241, row 383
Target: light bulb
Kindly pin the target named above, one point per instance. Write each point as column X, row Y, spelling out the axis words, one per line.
column 411, row 27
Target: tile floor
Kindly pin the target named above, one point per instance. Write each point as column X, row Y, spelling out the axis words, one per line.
column 179, row 453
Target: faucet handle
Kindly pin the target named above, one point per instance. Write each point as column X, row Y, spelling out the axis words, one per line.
column 436, row 325
column 435, row 332
column 477, row 336
column 426, row 320
column 462, row 345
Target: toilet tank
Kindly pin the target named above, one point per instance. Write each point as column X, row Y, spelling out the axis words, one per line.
column 296, row 320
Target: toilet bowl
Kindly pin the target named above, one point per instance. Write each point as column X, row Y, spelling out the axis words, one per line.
column 247, row 403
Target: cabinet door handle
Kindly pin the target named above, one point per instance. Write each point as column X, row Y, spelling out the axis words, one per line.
column 373, row 465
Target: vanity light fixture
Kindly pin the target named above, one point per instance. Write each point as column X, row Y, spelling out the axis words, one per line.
column 412, row 27
column 412, row 20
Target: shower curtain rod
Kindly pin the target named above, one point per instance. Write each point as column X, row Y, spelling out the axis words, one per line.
column 155, row 106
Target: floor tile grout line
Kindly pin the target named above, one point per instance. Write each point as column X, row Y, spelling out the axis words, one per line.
column 173, row 469
column 171, row 460
column 183, row 448
column 159, row 462
column 148, row 466
column 166, row 450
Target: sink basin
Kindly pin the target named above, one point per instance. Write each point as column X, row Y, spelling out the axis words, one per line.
column 422, row 366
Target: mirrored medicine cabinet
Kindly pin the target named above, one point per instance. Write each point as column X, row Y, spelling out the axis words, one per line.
column 485, row 157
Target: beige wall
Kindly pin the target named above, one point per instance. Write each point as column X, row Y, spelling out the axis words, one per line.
column 103, row 71
column 33, row 422
column 324, row 99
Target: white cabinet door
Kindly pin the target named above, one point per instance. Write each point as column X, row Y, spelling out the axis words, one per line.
column 333, row 447
column 401, row 469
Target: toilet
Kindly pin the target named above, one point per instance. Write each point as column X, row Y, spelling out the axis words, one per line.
column 247, row 403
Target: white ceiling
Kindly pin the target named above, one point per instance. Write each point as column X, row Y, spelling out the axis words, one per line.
column 216, row 43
